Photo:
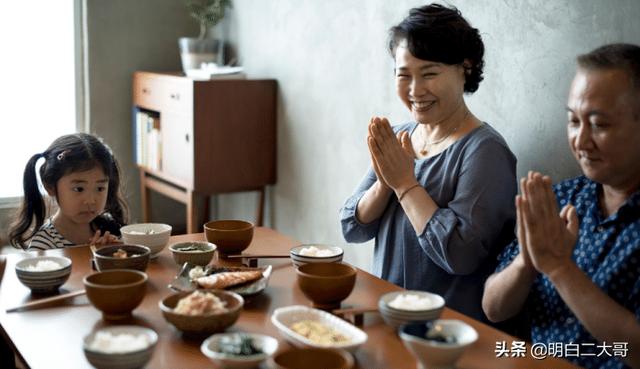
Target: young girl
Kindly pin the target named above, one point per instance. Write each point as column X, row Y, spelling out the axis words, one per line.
column 83, row 176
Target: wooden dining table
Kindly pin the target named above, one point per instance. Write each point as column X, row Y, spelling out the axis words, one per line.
column 52, row 336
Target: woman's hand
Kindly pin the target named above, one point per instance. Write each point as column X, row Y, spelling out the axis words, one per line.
column 547, row 237
column 392, row 155
column 103, row 239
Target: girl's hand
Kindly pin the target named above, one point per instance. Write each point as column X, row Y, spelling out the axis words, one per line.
column 105, row 239
column 392, row 157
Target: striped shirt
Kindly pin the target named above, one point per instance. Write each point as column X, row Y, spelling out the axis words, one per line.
column 48, row 237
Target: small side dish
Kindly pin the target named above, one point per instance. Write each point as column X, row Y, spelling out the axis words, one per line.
column 238, row 345
column 319, row 333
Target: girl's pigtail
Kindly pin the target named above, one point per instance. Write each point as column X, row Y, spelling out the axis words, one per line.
column 33, row 206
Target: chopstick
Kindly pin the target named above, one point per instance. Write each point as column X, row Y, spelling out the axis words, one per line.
column 46, row 301
column 354, row 311
column 249, row 256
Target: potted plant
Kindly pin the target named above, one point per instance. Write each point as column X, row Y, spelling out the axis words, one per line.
column 195, row 51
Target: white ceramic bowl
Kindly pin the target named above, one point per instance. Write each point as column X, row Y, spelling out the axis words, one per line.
column 121, row 360
column 396, row 317
column 298, row 259
column 283, row 318
column 153, row 235
column 210, row 348
column 44, row 281
column 433, row 354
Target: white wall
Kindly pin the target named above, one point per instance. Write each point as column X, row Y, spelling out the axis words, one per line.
column 334, row 72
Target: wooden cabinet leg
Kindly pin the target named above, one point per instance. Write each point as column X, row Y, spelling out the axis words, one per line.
column 144, row 198
column 205, row 214
column 192, row 212
column 260, row 211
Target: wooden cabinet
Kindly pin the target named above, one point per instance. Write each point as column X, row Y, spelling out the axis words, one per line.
column 216, row 136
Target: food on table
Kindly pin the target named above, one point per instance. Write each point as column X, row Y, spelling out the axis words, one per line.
column 228, row 279
column 148, row 231
column 196, row 272
column 319, row 333
column 317, row 252
column 43, row 266
column 122, row 254
column 437, row 335
column 200, row 303
column 193, row 247
column 118, row 343
column 238, row 345
column 408, row 301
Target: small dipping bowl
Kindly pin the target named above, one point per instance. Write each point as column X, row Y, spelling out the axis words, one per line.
column 211, row 349
column 427, row 342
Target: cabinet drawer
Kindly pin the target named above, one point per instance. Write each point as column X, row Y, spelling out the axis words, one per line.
column 147, row 92
column 177, row 95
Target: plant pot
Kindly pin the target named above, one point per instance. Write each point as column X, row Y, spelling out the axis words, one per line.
column 195, row 51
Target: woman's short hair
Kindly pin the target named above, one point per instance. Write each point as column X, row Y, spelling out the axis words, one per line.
column 440, row 34
column 614, row 56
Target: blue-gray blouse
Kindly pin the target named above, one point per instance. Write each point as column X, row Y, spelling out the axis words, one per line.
column 474, row 184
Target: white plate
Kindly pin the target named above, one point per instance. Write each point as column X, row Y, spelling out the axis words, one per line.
column 285, row 317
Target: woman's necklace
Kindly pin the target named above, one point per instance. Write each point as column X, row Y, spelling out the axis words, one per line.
column 424, row 151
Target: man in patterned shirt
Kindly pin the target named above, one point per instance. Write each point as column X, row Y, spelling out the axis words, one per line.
column 576, row 272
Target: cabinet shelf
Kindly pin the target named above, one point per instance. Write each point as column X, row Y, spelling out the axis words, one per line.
column 217, row 136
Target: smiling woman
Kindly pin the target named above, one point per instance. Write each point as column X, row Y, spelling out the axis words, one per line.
column 38, row 74
column 439, row 196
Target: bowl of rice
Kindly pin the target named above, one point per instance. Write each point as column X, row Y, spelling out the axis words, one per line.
column 315, row 253
column 43, row 274
column 202, row 311
column 120, row 347
column 403, row 307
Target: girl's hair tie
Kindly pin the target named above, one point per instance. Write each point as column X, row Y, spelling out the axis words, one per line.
column 62, row 154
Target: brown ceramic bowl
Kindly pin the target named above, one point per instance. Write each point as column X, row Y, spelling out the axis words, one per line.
column 203, row 324
column 193, row 252
column 312, row 358
column 116, row 292
column 326, row 284
column 231, row 236
column 105, row 259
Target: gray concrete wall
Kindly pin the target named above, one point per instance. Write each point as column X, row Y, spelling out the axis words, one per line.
column 333, row 71
column 122, row 37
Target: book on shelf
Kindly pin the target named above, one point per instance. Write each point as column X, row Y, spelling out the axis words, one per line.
column 147, row 139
